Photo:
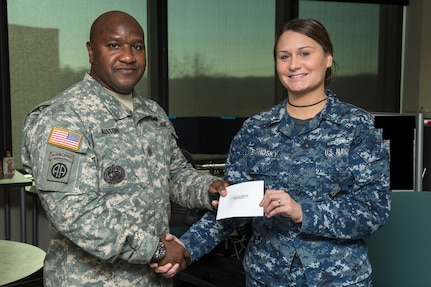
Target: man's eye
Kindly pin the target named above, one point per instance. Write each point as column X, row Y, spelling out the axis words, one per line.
column 114, row 45
column 137, row 47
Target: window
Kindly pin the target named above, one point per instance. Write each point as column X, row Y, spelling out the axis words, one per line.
column 220, row 57
column 358, row 57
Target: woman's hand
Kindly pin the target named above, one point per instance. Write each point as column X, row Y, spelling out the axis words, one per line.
column 279, row 202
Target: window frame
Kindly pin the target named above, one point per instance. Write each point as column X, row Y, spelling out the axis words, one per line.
column 5, row 101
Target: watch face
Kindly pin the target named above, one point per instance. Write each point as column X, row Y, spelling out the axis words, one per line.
column 159, row 253
column 161, row 250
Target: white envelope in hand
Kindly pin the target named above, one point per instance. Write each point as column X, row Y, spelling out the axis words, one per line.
column 242, row 200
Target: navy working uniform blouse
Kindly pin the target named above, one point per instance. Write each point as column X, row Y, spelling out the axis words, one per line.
column 336, row 167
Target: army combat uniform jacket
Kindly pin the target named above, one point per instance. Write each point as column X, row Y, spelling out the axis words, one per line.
column 336, row 167
column 105, row 176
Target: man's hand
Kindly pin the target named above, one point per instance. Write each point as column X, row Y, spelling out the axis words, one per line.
column 217, row 188
column 171, row 268
column 175, row 253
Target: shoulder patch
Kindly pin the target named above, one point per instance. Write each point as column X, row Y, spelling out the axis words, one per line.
column 65, row 138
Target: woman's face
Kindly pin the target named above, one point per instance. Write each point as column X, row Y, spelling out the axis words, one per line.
column 301, row 63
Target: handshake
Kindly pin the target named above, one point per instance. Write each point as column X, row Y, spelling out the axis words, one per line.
column 170, row 257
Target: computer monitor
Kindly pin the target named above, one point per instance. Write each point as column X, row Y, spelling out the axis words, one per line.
column 206, row 135
column 400, row 130
column 213, row 135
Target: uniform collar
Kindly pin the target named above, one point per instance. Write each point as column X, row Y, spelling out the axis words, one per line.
column 278, row 114
column 117, row 110
column 330, row 111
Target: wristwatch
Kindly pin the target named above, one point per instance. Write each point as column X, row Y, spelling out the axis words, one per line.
column 160, row 252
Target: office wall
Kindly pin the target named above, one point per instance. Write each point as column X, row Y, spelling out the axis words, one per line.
column 425, row 67
column 416, row 91
column 34, row 72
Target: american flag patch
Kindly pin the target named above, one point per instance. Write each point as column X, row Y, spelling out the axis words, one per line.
column 65, row 138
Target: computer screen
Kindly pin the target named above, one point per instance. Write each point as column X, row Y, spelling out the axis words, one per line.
column 400, row 130
column 206, row 135
column 213, row 135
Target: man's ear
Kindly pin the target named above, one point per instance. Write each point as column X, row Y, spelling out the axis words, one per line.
column 90, row 52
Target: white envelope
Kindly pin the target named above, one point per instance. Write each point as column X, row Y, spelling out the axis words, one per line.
column 242, row 200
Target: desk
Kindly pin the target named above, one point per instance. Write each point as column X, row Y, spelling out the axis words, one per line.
column 18, row 180
column 19, row 260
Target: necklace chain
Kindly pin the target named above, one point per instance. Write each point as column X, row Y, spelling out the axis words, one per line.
column 306, row 106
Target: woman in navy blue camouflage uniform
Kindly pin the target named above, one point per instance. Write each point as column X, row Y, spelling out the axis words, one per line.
column 326, row 173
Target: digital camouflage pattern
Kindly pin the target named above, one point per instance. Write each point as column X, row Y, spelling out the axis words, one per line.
column 105, row 176
column 336, row 168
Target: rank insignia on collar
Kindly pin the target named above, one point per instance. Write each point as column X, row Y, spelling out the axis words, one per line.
column 65, row 138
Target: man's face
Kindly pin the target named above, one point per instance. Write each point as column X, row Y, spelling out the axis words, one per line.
column 117, row 53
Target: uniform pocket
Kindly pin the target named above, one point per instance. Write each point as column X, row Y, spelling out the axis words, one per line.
column 263, row 168
column 332, row 171
column 114, row 168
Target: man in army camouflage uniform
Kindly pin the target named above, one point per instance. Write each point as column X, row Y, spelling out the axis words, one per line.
column 106, row 165
column 326, row 174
